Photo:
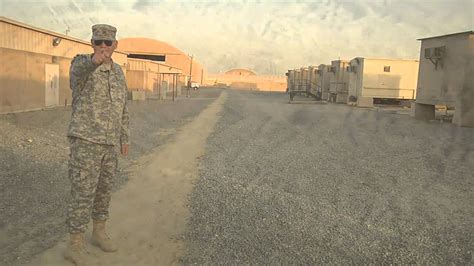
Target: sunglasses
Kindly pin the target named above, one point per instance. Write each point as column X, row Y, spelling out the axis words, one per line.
column 99, row 42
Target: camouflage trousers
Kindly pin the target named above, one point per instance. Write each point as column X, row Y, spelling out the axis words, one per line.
column 92, row 169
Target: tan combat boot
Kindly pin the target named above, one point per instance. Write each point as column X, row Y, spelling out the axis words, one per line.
column 101, row 239
column 76, row 251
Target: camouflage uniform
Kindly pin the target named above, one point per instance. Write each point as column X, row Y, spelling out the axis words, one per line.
column 99, row 122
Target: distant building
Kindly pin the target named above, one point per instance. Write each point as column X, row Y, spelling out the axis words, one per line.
column 313, row 80
column 371, row 78
column 153, row 79
column 324, row 78
column 241, row 72
column 446, row 77
column 339, row 79
column 34, row 69
column 162, row 52
column 246, row 79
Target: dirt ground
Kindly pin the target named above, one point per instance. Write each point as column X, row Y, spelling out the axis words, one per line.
column 33, row 158
column 149, row 214
column 246, row 178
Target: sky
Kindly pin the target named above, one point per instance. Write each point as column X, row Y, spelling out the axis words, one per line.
column 268, row 37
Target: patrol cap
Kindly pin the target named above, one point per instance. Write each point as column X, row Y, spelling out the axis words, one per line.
column 103, row 32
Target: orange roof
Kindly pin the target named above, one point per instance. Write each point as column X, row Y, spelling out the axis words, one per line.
column 147, row 46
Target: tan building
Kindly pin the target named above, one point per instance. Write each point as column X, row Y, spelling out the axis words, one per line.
column 304, row 81
column 34, row 72
column 324, row 78
column 161, row 52
column 246, row 79
column 371, row 78
column 339, row 80
column 304, row 78
column 155, row 79
column 446, row 77
column 241, row 72
column 290, row 79
column 313, row 80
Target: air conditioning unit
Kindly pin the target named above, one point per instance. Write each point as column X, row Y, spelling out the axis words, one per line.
column 354, row 69
column 435, row 52
column 428, row 53
column 439, row 52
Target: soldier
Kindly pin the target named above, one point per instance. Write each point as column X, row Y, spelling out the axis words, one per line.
column 99, row 123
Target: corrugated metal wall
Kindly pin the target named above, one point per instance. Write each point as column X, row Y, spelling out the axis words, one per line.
column 28, row 50
column 25, row 39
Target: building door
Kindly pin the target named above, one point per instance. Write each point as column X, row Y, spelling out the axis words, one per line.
column 51, row 78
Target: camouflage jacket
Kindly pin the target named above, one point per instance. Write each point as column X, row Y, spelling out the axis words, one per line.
column 99, row 102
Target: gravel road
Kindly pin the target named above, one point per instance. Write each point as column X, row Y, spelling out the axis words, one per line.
column 34, row 188
column 311, row 184
column 278, row 184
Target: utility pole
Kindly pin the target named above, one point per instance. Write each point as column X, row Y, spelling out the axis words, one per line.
column 188, row 91
column 190, row 74
column 202, row 74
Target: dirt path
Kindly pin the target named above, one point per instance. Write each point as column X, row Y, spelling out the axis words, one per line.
column 148, row 216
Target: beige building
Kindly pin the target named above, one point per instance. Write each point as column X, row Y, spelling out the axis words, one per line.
column 371, row 78
column 298, row 80
column 313, row 80
column 304, row 81
column 290, row 80
column 324, row 78
column 34, row 72
column 339, row 80
column 246, row 79
column 241, row 72
column 164, row 53
column 304, row 78
column 446, row 77
column 155, row 79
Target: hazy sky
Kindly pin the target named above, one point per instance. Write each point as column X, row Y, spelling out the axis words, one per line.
column 266, row 36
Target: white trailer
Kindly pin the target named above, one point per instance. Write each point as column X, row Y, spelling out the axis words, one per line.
column 380, row 78
column 338, row 85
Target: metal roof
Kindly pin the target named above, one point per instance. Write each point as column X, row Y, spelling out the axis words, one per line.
column 52, row 33
column 385, row 59
column 452, row 34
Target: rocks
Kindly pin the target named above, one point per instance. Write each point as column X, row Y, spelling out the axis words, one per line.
column 329, row 184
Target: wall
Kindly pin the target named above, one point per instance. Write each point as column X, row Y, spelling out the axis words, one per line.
column 22, row 37
column 339, row 79
column 313, row 78
column 324, row 78
column 442, row 85
column 152, row 77
column 174, row 56
column 291, row 80
column 370, row 79
column 23, row 80
column 24, row 51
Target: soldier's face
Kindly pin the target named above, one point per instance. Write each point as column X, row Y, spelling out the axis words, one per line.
column 104, row 46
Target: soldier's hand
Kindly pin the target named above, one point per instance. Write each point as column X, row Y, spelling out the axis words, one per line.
column 124, row 149
column 99, row 58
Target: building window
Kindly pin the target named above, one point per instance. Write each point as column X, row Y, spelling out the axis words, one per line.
column 158, row 58
column 386, row 69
